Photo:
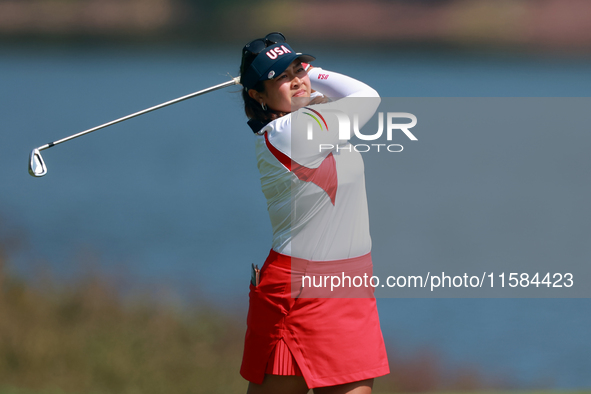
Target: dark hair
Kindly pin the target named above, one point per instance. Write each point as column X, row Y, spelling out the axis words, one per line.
column 252, row 108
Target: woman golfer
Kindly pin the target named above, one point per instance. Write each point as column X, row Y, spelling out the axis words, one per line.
column 305, row 332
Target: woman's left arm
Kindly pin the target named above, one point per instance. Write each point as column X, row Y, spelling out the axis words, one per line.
column 351, row 100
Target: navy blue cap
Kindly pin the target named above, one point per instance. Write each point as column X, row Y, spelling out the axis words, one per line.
column 271, row 62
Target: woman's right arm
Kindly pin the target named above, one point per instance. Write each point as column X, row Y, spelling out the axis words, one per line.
column 352, row 101
column 350, row 97
column 336, row 86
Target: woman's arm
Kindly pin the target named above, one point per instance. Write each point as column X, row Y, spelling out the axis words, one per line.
column 316, row 128
column 336, row 86
column 314, row 131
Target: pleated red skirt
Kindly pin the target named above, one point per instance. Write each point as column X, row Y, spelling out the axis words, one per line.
column 332, row 340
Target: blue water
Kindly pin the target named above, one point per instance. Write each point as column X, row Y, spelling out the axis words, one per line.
column 172, row 199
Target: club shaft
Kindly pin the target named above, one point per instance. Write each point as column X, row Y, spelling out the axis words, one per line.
column 234, row 81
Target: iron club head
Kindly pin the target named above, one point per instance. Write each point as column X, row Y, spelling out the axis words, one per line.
column 37, row 166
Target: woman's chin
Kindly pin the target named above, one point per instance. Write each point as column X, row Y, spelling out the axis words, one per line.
column 299, row 102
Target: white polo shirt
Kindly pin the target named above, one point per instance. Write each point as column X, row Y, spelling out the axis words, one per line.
column 316, row 197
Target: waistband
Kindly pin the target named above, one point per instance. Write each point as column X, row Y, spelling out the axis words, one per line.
column 317, row 279
column 320, row 266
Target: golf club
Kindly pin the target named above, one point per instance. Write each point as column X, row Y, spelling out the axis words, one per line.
column 37, row 167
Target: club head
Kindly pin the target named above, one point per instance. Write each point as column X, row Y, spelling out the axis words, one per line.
column 37, row 166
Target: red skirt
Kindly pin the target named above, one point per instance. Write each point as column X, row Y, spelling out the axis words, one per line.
column 333, row 340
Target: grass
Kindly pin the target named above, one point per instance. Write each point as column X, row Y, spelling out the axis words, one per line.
column 84, row 338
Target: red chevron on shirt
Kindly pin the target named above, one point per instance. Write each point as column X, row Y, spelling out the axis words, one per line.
column 324, row 176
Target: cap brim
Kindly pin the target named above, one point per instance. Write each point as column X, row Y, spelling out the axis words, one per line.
column 305, row 58
column 281, row 65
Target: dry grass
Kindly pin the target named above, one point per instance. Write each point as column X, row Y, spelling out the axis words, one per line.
column 84, row 338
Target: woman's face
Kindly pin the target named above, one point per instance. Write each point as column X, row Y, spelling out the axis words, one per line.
column 287, row 92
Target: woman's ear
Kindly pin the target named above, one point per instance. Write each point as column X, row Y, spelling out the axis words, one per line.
column 254, row 95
